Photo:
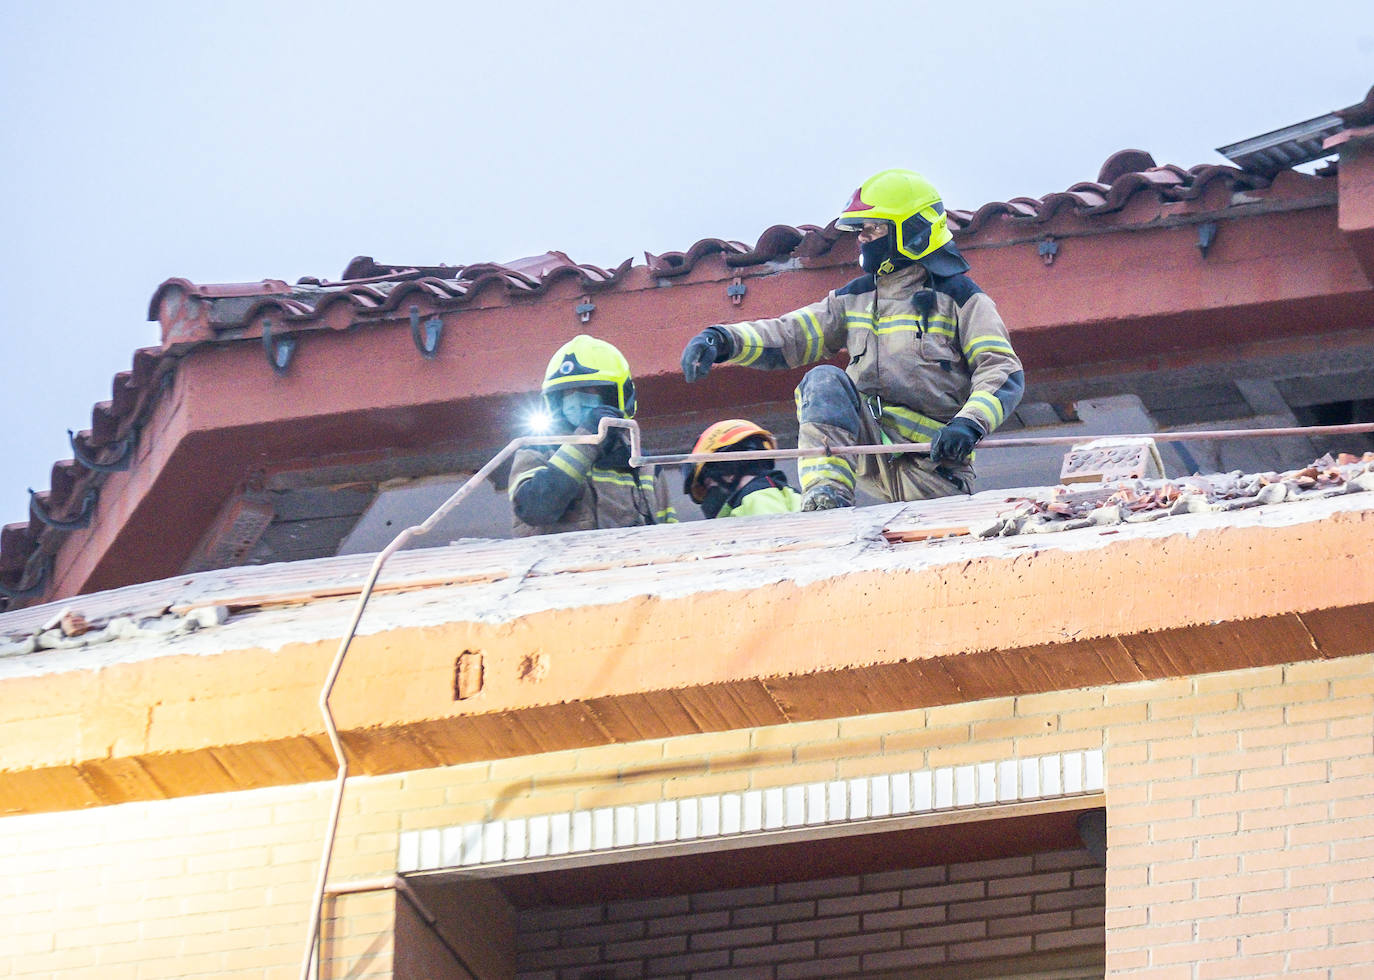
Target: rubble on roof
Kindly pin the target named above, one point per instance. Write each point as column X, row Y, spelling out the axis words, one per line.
column 503, row 578
column 70, row 630
column 1138, row 501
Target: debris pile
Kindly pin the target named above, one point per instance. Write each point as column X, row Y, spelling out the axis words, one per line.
column 69, row 629
column 1138, row 501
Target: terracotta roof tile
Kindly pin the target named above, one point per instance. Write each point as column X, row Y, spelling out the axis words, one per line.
column 1123, row 176
column 372, row 288
column 1124, row 162
column 1359, row 114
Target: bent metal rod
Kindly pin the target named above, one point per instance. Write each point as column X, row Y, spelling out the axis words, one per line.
column 1015, row 442
column 638, row 459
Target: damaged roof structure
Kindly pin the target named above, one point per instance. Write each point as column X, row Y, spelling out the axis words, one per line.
column 1123, row 723
column 1263, row 321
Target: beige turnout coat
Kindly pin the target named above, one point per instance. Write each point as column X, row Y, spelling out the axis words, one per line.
column 915, row 370
column 609, row 497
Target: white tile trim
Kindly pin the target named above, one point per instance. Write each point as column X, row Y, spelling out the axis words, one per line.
column 732, row 815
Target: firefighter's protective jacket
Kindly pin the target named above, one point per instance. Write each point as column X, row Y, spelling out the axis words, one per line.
column 767, row 499
column 922, row 350
column 605, row 494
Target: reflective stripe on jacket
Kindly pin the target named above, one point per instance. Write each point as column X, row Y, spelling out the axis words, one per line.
column 609, row 497
column 953, row 357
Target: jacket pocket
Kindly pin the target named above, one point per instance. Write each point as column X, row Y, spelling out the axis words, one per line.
column 862, row 368
column 939, row 345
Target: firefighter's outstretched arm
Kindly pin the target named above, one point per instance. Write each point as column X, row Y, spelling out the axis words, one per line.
column 803, row 336
column 707, row 348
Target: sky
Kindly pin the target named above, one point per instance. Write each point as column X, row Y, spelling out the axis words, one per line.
column 234, row 142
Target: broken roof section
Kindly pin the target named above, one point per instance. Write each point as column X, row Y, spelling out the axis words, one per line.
column 171, row 607
column 210, row 682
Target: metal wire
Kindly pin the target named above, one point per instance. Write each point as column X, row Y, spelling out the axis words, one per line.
column 639, row 460
column 317, row 904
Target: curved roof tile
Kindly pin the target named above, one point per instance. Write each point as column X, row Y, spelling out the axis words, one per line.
column 1359, row 114
column 1124, row 162
column 777, row 243
column 679, row 263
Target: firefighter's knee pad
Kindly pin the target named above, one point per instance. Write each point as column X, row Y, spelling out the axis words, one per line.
column 827, row 396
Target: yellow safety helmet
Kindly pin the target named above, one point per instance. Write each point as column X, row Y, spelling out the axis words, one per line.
column 913, row 208
column 718, row 438
column 585, row 362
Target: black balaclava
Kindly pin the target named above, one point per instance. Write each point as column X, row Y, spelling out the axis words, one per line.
column 880, row 256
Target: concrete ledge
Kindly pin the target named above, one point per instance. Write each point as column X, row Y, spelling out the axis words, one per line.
column 831, row 622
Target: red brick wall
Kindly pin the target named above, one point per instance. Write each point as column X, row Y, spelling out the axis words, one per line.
column 826, row 928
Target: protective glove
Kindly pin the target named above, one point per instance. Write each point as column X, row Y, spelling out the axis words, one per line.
column 711, row 346
column 593, row 418
column 955, row 441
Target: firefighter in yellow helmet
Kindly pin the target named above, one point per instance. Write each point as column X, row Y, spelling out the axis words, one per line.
column 578, row 487
column 929, row 357
column 740, row 487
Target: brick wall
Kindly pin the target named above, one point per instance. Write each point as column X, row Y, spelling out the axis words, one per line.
column 1239, row 806
column 1241, row 824
column 203, row 886
column 826, row 928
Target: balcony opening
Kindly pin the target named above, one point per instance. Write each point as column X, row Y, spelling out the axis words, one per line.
column 981, row 897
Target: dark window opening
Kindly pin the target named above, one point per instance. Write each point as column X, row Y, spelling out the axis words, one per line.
column 1340, row 413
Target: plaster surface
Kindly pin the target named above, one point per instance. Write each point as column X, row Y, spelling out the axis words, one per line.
column 604, row 637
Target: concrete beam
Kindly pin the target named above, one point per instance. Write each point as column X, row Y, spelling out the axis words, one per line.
column 662, row 631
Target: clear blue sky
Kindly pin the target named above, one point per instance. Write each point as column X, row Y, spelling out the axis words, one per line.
column 240, row 141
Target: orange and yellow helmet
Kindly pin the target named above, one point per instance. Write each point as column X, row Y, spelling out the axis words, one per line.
column 722, row 437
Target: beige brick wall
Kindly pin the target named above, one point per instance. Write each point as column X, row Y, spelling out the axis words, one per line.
column 1239, row 812
column 1241, row 824
column 205, row 886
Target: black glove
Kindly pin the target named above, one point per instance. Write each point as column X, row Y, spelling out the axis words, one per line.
column 955, row 441
column 593, row 418
column 711, row 346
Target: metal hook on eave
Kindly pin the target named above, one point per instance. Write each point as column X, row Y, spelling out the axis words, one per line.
column 736, row 291
column 1047, row 248
column 78, row 523
column 585, row 309
column 1206, row 235
column 40, row 583
column 121, row 463
column 279, row 350
column 428, row 342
